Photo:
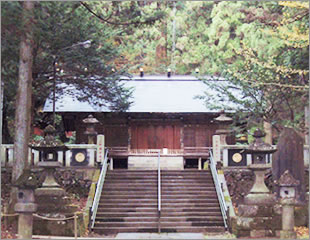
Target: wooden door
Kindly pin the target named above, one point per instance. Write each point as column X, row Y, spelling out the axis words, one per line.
column 155, row 136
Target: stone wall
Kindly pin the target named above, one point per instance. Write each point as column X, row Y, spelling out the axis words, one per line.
column 75, row 181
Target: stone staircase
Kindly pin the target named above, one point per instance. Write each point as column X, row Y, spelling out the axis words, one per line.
column 129, row 202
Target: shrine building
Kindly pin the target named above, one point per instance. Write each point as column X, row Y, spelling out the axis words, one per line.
column 166, row 116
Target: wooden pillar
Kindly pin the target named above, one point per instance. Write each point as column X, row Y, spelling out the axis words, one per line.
column 182, row 137
column 129, row 137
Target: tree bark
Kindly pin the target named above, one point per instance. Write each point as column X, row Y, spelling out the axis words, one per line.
column 23, row 99
column 268, row 131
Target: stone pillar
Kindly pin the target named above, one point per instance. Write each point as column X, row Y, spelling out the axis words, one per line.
column 199, row 163
column 216, row 145
column 111, row 163
column 288, row 221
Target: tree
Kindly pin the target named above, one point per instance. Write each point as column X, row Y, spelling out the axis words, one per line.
column 23, row 100
column 272, row 84
column 59, row 25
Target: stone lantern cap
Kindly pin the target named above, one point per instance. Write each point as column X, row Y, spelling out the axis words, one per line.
column 90, row 120
column 27, row 180
column 287, row 180
column 259, row 146
column 49, row 142
column 223, row 118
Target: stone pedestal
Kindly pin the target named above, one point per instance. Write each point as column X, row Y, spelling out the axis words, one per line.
column 53, row 203
column 257, row 216
column 259, row 193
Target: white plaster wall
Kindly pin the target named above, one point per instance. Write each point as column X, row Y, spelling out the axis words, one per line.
column 151, row 163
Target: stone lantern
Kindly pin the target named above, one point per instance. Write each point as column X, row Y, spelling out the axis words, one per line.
column 223, row 121
column 260, row 152
column 288, row 185
column 51, row 197
column 257, row 215
column 90, row 122
column 25, row 205
column 49, row 148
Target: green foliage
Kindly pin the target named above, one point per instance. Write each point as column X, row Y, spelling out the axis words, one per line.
column 59, row 28
column 260, row 47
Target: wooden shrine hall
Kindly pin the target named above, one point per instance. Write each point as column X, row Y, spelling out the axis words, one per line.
column 166, row 115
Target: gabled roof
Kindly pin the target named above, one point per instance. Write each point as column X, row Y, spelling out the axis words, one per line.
column 153, row 93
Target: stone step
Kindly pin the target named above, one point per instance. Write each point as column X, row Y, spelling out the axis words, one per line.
column 217, row 219
column 105, row 196
column 203, row 210
column 179, row 194
column 188, row 204
column 112, row 192
column 146, row 177
column 187, row 196
column 128, row 188
column 182, row 180
column 114, row 214
column 164, row 192
column 129, row 198
column 192, row 219
column 164, row 200
column 186, row 191
column 154, row 224
column 175, row 206
column 127, row 209
column 185, row 171
column 111, row 230
column 215, row 213
column 127, row 219
column 212, row 213
column 163, row 177
column 180, row 175
column 133, row 181
column 132, row 205
column 152, row 187
column 155, row 182
column 193, row 188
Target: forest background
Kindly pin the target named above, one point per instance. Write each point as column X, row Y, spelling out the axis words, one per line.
column 261, row 48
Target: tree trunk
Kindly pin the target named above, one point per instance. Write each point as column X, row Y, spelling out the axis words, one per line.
column 268, row 131
column 307, row 124
column 23, row 99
